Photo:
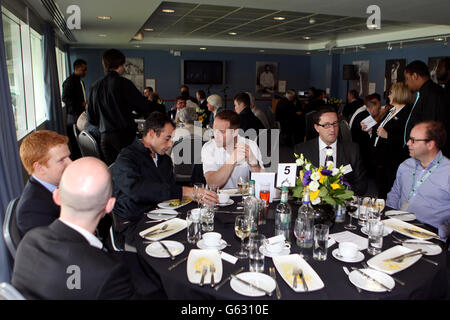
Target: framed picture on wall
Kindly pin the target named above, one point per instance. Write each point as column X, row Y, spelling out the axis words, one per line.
column 394, row 72
column 151, row 82
column 361, row 84
column 281, row 86
column 266, row 77
column 134, row 70
column 433, row 63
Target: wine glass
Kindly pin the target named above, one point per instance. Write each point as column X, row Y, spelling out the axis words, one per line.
column 351, row 208
column 197, row 194
column 243, row 184
column 242, row 230
column 299, row 233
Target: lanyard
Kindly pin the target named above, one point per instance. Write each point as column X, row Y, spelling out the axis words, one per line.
column 406, row 124
column 414, row 185
column 390, row 115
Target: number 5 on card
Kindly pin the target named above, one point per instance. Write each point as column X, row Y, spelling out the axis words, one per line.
column 288, row 172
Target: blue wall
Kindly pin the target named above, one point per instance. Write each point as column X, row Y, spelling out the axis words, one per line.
column 321, row 64
column 166, row 69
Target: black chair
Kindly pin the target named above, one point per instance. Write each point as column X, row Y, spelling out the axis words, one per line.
column 186, row 152
column 76, row 132
column 88, row 145
column 310, row 132
column 11, row 233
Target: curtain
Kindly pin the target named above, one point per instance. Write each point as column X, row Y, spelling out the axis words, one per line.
column 52, row 93
column 11, row 181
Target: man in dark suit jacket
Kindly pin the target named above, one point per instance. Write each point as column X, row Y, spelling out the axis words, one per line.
column 44, row 155
column 203, row 107
column 65, row 260
column 247, row 118
column 343, row 153
column 354, row 103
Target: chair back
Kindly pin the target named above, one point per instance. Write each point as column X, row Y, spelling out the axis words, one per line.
column 11, row 233
column 8, row 292
column 310, row 132
column 185, row 154
column 88, row 145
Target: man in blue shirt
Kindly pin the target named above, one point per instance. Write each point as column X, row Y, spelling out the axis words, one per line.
column 422, row 185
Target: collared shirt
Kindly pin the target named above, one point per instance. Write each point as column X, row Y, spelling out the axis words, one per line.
column 323, row 152
column 431, row 201
column 93, row 240
column 359, row 110
column 50, row 187
column 214, row 157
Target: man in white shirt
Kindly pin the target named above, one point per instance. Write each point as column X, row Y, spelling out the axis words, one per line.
column 229, row 156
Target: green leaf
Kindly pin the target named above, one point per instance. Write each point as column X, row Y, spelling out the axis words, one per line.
column 297, row 191
column 323, row 192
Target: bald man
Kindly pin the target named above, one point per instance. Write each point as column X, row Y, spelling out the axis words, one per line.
column 65, row 260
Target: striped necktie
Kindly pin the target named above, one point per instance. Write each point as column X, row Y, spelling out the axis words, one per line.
column 407, row 121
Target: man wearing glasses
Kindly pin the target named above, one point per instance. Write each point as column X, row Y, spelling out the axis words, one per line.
column 422, row 182
column 327, row 147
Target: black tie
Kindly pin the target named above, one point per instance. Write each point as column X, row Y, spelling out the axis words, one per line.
column 328, row 158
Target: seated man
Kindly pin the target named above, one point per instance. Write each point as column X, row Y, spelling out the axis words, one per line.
column 65, row 260
column 229, row 156
column 44, row 155
column 422, row 182
column 143, row 176
column 344, row 153
column 180, row 104
column 246, row 117
column 214, row 104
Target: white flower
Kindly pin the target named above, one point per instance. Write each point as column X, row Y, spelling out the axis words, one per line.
column 314, row 186
column 315, row 176
column 342, row 169
column 299, row 162
column 335, row 172
column 308, row 166
column 329, row 152
column 329, row 164
column 316, row 201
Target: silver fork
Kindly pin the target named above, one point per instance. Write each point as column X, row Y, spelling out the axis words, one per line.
column 204, row 271
column 295, row 273
column 365, row 265
column 212, row 269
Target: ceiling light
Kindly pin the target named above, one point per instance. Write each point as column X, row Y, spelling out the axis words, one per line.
column 148, row 29
column 306, row 37
column 362, row 47
column 232, row 33
column 312, row 21
column 102, row 35
column 389, row 46
column 439, row 39
column 139, row 36
column 308, row 52
column 261, row 50
column 168, row 10
column 104, row 17
column 279, row 18
column 202, row 48
column 137, row 46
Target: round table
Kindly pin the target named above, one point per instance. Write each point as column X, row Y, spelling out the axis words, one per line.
column 423, row 280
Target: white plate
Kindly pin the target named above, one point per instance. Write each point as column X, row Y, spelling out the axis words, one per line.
column 358, row 258
column 228, row 203
column 197, row 259
column 156, row 250
column 173, row 226
column 369, row 285
column 258, row 279
column 233, row 192
column 162, row 214
column 283, row 252
column 201, row 245
column 401, row 226
column 401, row 215
column 285, row 265
column 166, row 204
column 431, row 248
column 386, row 231
column 391, row 267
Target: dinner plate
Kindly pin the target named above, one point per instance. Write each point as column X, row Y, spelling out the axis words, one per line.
column 174, row 203
column 429, row 247
column 358, row 258
column 201, row 245
column 285, row 251
column 369, row 285
column 285, row 266
column 173, row 226
column 386, row 231
column 400, row 215
column 228, row 203
column 162, row 214
column 391, row 267
column 402, row 226
column 156, row 250
column 256, row 278
column 197, row 259
column 233, row 192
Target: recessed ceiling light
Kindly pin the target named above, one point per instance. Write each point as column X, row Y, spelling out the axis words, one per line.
column 279, row 18
column 104, row 17
column 232, row 33
column 148, row 29
column 137, row 46
column 312, row 21
column 306, row 37
column 102, row 35
column 202, row 48
column 362, row 47
column 439, row 39
column 308, row 52
column 168, row 10
column 261, row 50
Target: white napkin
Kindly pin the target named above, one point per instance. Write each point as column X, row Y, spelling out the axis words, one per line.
column 279, row 238
column 228, row 257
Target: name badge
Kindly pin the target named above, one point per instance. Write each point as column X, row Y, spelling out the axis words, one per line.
column 348, row 169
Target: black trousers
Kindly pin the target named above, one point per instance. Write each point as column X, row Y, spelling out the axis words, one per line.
column 112, row 143
column 75, row 152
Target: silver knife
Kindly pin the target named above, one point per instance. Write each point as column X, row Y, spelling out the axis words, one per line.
column 155, row 233
column 305, row 286
column 251, row 285
column 405, row 255
column 172, row 257
column 204, row 271
column 177, row 263
column 426, row 234
column 277, row 288
column 365, row 275
column 229, row 278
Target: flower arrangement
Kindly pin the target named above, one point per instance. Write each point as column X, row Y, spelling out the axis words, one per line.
column 202, row 115
column 326, row 184
column 334, row 101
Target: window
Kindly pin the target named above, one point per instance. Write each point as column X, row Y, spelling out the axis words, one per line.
column 61, row 63
column 37, row 57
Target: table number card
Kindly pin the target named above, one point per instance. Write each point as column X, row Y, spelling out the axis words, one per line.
column 288, row 172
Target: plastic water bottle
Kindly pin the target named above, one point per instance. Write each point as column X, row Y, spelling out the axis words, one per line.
column 283, row 214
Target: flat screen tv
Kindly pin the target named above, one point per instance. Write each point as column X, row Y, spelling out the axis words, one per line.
column 203, row 72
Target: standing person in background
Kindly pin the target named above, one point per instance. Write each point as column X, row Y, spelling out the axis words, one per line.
column 258, row 112
column 147, row 92
column 111, row 102
column 202, row 109
column 74, row 97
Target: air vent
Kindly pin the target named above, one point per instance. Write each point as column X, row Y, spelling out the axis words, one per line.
column 58, row 19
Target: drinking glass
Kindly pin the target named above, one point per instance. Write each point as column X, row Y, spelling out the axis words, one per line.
column 214, row 189
column 193, row 226
column 351, row 207
column 243, row 184
column 320, row 245
column 207, row 219
column 256, row 257
column 301, row 233
column 264, row 192
column 375, row 236
column 242, row 231
column 263, row 209
column 363, row 211
column 197, row 194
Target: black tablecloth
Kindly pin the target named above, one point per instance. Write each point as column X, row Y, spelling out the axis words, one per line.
column 423, row 280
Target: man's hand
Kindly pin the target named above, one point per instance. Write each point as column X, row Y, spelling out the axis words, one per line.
column 208, row 196
column 238, row 155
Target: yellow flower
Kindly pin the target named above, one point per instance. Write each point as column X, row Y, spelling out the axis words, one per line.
column 335, row 186
column 313, row 195
column 200, row 118
column 322, row 177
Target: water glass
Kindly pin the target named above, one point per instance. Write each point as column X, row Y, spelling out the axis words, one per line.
column 340, row 213
column 375, row 236
column 194, row 232
column 256, row 258
column 197, row 193
column 207, row 219
column 264, row 192
column 263, row 209
column 320, row 245
column 363, row 211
